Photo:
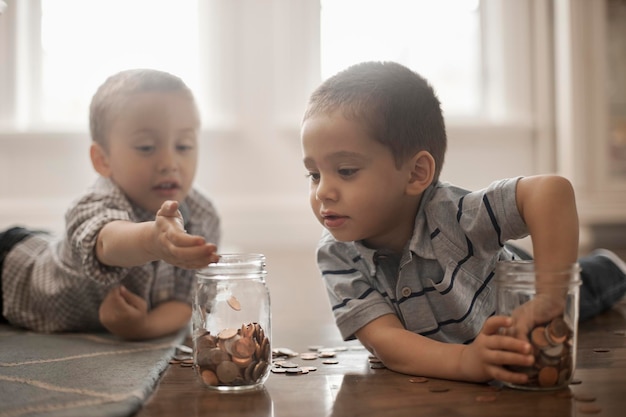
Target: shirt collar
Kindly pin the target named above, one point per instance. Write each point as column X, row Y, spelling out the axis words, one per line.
column 420, row 243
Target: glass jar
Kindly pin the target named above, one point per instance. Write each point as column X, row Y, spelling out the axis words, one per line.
column 232, row 323
column 545, row 308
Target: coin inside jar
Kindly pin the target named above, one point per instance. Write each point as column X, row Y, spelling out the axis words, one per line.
column 239, row 357
column 553, row 365
column 557, row 331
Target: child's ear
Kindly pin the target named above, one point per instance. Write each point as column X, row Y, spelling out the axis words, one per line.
column 422, row 172
column 99, row 160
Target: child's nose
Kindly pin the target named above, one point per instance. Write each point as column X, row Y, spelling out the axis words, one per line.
column 325, row 190
column 168, row 162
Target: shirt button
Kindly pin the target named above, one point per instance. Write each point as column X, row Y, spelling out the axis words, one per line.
column 406, row 291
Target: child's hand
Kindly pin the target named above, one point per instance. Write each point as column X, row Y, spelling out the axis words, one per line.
column 484, row 359
column 123, row 313
column 540, row 310
column 175, row 246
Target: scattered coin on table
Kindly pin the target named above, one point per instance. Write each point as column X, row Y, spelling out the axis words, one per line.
column 564, row 394
column 586, row 398
column 309, row 356
column 487, row 398
column 589, row 408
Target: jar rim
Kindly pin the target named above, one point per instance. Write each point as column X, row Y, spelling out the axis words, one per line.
column 238, row 264
column 523, row 271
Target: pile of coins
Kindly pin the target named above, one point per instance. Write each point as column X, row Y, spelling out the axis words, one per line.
column 233, row 357
column 552, row 347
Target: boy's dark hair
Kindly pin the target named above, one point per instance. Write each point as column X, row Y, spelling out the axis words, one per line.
column 111, row 95
column 398, row 106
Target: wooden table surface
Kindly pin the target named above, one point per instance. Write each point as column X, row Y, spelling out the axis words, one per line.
column 353, row 388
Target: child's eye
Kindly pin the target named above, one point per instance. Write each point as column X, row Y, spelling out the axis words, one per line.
column 347, row 172
column 314, row 176
column 184, row 148
column 145, row 149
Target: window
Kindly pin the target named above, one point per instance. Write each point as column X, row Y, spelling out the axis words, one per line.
column 438, row 39
column 253, row 65
column 81, row 51
column 80, row 43
column 245, row 57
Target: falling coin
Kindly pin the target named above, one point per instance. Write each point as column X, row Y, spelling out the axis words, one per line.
column 330, row 362
column 601, row 350
column 234, row 303
column 418, row 380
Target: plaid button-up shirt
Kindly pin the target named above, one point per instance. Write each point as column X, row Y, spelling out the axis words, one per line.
column 54, row 284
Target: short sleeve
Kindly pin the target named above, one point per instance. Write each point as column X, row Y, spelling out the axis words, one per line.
column 354, row 299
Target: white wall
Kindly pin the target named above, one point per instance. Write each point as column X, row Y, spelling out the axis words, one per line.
column 259, row 186
column 264, row 63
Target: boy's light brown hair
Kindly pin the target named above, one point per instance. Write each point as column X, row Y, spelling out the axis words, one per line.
column 112, row 94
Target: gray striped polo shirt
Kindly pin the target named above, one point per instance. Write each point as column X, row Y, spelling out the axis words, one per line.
column 442, row 285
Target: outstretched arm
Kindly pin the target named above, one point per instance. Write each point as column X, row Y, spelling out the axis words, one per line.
column 126, row 244
column 483, row 360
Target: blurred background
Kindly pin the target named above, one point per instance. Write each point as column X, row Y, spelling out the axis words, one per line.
column 527, row 87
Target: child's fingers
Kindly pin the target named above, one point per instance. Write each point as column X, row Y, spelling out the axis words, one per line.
column 169, row 208
column 132, row 299
column 495, row 323
column 502, row 374
column 195, row 257
column 183, row 240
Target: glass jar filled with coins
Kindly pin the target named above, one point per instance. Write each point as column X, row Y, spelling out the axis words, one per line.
column 232, row 323
column 544, row 306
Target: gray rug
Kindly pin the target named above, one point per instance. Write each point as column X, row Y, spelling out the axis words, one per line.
column 77, row 374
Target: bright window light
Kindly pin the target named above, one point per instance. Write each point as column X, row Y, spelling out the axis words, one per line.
column 438, row 39
column 86, row 41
